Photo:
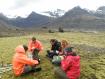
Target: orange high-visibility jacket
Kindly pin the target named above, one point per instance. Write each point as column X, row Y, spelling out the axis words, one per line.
column 37, row 45
column 20, row 60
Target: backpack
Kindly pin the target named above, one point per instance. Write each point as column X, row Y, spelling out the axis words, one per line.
column 57, row 60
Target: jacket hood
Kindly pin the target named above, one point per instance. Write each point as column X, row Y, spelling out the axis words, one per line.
column 20, row 49
column 76, row 58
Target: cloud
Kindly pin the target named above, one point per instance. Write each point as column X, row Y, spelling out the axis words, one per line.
column 24, row 7
column 22, row 3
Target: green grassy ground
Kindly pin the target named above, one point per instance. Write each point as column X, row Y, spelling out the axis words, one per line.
column 90, row 46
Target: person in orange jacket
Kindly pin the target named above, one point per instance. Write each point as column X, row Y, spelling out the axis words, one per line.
column 35, row 47
column 21, row 63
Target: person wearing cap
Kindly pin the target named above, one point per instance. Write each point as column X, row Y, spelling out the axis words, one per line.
column 35, row 46
column 70, row 65
column 21, row 63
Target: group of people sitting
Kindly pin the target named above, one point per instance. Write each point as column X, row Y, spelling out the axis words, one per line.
column 65, row 58
column 23, row 64
column 62, row 55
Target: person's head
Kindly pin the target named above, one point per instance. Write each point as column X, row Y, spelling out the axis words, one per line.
column 25, row 48
column 64, row 43
column 21, row 49
column 33, row 39
column 52, row 41
column 70, row 51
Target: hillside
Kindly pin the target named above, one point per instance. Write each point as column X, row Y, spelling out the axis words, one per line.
column 34, row 19
column 78, row 18
column 100, row 12
column 56, row 14
column 92, row 53
column 8, row 30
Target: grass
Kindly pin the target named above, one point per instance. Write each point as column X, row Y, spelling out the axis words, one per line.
column 90, row 46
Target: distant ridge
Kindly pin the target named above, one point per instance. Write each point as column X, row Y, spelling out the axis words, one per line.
column 76, row 18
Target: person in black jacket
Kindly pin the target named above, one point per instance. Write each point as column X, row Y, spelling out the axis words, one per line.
column 55, row 48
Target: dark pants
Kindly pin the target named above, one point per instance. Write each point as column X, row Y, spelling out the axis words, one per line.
column 35, row 55
column 51, row 54
column 29, row 69
column 60, row 74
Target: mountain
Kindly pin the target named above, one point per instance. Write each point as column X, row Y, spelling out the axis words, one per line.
column 57, row 13
column 76, row 11
column 100, row 12
column 8, row 30
column 78, row 18
column 101, row 9
column 4, row 24
column 33, row 20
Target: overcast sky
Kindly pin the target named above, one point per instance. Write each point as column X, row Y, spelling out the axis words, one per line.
column 25, row 7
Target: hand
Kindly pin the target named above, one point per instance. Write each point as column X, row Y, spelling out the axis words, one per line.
column 33, row 48
column 36, row 62
column 57, row 52
column 51, row 51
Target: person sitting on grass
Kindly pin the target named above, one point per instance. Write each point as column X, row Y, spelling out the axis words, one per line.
column 57, row 59
column 21, row 63
column 70, row 65
column 55, row 48
column 64, row 44
column 35, row 46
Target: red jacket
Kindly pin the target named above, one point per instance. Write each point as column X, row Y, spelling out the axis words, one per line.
column 20, row 60
column 37, row 45
column 71, row 65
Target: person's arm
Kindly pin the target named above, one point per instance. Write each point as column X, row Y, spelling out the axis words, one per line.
column 52, row 47
column 28, row 61
column 66, row 63
column 58, row 46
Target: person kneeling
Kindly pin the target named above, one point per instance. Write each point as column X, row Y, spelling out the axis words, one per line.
column 35, row 47
column 21, row 63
